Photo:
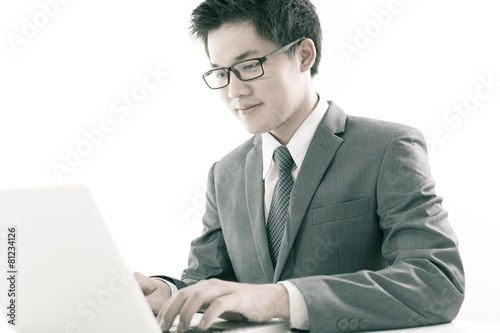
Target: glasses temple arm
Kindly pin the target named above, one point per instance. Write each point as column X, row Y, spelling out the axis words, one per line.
column 283, row 49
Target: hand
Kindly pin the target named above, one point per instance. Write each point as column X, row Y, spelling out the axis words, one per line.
column 227, row 299
column 156, row 292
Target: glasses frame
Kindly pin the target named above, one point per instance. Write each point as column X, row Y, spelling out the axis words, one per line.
column 260, row 60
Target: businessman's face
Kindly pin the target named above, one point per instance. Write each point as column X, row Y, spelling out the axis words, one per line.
column 271, row 103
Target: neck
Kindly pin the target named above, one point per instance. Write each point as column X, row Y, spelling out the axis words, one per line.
column 285, row 132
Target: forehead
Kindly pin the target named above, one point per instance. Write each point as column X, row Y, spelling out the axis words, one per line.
column 232, row 42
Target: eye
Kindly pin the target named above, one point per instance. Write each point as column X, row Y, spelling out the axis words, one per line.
column 250, row 66
column 220, row 75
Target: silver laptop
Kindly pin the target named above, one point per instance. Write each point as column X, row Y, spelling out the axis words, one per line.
column 65, row 273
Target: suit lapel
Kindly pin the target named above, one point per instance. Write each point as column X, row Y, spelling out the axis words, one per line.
column 254, row 187
column 319, row 155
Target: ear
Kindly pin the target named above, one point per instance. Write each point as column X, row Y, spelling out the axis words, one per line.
column 307, row 54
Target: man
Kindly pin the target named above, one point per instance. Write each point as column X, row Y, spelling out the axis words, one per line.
column 325, row 219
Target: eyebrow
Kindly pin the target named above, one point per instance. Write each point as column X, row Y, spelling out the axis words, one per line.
column 238, row 58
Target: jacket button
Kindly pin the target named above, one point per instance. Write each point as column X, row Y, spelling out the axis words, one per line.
column 354, row 324
column 364, row 324
column 343, row 324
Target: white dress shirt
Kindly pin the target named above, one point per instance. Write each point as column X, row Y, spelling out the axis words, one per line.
column 298, row 145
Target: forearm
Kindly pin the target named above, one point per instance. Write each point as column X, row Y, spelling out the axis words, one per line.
column 409, row 293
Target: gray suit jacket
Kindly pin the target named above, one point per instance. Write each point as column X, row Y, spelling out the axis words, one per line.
column 367, row 241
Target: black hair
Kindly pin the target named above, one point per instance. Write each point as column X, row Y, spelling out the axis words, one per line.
column 278, row 21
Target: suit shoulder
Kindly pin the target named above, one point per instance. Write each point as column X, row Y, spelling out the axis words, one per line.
column 237, row 155
column 378, row 129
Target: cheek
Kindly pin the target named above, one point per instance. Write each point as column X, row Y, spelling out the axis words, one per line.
column 275, row 95
column 224, row 96
column 277, row 85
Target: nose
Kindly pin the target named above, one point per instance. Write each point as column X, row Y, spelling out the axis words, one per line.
column 237, row 88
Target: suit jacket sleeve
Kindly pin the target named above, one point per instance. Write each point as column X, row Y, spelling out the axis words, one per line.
column 208, row 257
column 423, row 283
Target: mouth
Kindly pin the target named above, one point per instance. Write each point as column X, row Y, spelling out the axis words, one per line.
column 248, row 110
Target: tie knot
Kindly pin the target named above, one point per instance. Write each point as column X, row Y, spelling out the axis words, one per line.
column 283, row 159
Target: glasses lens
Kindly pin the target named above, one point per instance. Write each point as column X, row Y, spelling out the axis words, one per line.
column 216, row 78
column 248, row 70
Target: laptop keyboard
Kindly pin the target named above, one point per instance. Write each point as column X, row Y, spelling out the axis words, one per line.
column 195, row 330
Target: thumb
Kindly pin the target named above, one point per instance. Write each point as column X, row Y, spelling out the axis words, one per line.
column 147, row 286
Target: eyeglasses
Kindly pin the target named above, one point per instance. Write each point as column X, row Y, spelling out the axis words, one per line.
column 245, row 70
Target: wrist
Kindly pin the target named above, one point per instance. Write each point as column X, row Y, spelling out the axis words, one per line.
column 281, row 300
column 163, row 285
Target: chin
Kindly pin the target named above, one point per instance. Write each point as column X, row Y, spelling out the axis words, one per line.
column 252, row 129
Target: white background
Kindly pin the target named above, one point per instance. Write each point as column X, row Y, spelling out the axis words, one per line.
column 149, row 173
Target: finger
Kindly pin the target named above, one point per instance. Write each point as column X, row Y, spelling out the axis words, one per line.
column 161, row 314
column 153, row 290
column 163, row 308
column 187, row 309
column 196, row 300
column 189, row 300
column 225, row 303
column 156, row 300
column 170, row 310
column 186, row 303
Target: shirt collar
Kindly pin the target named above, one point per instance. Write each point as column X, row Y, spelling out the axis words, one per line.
column 299, row 142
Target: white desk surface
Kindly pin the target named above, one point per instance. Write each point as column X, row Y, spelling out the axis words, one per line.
column 455, row 327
